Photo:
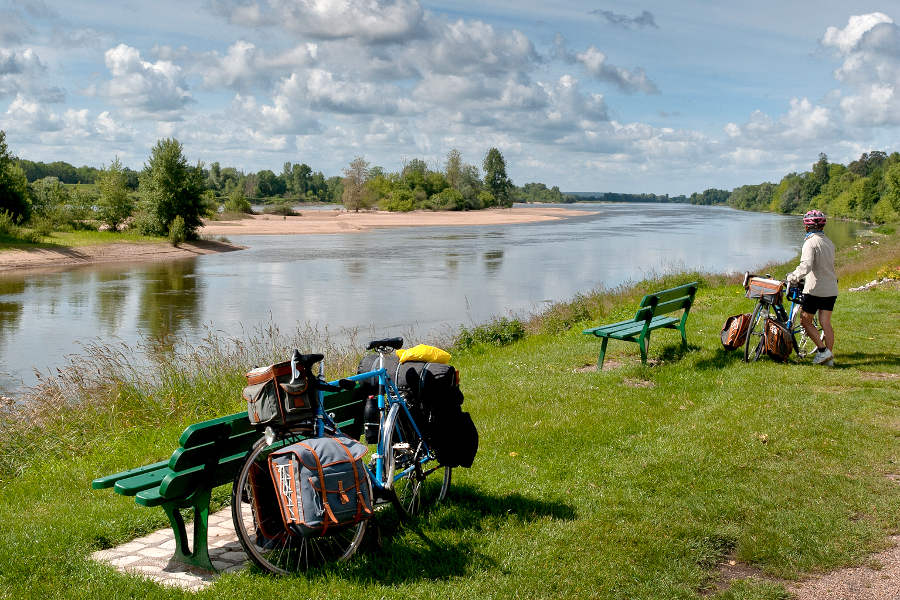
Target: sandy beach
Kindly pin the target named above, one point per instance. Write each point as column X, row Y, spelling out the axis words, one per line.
column 311, row 221
column 56, row 259
column 340, row 221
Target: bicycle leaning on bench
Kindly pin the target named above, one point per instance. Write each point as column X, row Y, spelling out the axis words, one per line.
column 769, row 294
column 397, row 472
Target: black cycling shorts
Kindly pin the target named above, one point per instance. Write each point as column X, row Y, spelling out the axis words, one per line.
column 813, row 304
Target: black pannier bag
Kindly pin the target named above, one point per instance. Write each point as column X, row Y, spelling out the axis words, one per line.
column 435, row 401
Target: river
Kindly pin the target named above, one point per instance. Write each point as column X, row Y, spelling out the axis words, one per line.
column 382, row 282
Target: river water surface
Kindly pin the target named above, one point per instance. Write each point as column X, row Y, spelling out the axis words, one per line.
column 384, row 282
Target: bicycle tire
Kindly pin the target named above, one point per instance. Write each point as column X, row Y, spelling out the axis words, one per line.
column 283, row 553
column 755, row 333
column 404, row 451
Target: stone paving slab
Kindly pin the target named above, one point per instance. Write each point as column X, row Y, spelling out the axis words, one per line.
column 150, row 556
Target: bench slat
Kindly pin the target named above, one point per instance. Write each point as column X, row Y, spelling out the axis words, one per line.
column 688, row 289
column 132, row 485
column 183, row 484
column 109, row 481
column 187, row 458
column 208, row 431
column 655, row 323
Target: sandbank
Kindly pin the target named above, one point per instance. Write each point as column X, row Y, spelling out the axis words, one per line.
column 341, row 221
column 63, row 257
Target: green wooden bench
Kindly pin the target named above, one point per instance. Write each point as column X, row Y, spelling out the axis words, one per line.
column 651, row 315
column 209, row 454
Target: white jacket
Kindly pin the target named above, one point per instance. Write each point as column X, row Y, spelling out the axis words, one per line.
column 817, row 266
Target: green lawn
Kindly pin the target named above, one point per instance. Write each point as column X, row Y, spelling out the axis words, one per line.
column 634, row 482
column 77, row 238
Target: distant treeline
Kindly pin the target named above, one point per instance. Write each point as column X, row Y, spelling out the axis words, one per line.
column 868, row 189
column 617, row 197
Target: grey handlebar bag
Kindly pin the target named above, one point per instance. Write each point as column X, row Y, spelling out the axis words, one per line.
column 321, row 484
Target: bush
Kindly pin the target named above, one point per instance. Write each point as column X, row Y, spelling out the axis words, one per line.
column 282, row 208
column 8, row 225
column 500, row 332
column 177, row 231
column 238, row 203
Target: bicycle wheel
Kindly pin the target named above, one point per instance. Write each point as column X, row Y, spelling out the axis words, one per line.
column 753, row 347
column 258, row 524
column 406, row 469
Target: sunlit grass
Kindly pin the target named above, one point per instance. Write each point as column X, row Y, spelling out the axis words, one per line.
column 634, row 482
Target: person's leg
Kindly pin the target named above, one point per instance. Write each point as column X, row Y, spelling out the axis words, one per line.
column 827, row 331
column 806, row 319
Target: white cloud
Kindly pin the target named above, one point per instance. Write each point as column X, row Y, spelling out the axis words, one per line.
column 628, row 81
column 857, row 26
column 246, row 66
column 143, row 89
column 374, row 21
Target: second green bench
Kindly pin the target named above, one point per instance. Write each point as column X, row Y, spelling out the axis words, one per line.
column 651, row 315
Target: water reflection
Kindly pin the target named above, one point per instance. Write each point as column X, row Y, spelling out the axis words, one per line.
column 170, row 299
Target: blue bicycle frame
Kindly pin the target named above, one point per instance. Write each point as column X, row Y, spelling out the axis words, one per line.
column 387, row 396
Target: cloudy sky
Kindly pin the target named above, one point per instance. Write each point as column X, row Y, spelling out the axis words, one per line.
column 644, row 96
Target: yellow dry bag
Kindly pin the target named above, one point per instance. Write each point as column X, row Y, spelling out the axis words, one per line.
column 424, row 353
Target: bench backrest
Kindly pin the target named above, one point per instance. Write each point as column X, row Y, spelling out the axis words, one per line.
column 667, row 301
column 212, row 452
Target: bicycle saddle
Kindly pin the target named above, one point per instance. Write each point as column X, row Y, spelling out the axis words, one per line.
column 395, row 342
column 307, row 360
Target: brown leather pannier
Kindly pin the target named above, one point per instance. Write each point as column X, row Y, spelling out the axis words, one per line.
column 734, row 333
column 777, row 338
column 273, row 400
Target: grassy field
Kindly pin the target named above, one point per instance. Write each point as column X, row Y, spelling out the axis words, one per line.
column 634, row 482
column 76, row 239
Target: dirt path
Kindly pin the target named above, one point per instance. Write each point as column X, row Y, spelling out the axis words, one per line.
column 878, row 579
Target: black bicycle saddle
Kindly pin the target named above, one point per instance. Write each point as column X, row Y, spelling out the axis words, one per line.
column 395, row 342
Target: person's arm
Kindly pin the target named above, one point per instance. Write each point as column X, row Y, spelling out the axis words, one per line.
column 806, row 262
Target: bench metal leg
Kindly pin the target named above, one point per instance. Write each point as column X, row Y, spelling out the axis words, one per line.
column 602, row 354
column 199, row 557
column 644, row 343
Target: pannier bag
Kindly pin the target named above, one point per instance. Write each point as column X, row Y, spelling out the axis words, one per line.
column 760, row 286
column 734, row 333
column 265, row 503
column 321, row 483
column 432, row 391
column 454, row 437
column 777, row 340
column 272, row 400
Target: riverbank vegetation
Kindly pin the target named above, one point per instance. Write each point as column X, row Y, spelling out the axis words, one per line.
column 637, row 481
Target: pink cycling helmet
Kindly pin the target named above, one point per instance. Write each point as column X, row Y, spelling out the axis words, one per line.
column 814, row 218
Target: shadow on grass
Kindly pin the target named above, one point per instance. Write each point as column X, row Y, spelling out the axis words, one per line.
column 721, row 359
column 411, row 552
column 674, row 352
column 858, row 359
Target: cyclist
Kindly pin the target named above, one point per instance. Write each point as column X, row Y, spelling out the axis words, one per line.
column 820, row 290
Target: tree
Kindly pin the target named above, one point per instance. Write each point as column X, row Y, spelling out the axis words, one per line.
column 495, row 179
column 13, row 185
column 453, row 169
column 169, row 188
column 354, row 194
column 114, row 204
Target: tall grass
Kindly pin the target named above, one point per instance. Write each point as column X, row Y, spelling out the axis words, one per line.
column 634, row 482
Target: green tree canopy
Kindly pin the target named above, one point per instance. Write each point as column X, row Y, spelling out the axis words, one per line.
column 13, row 185
column 114, row 204
column 495, row 179
column 169, row 188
